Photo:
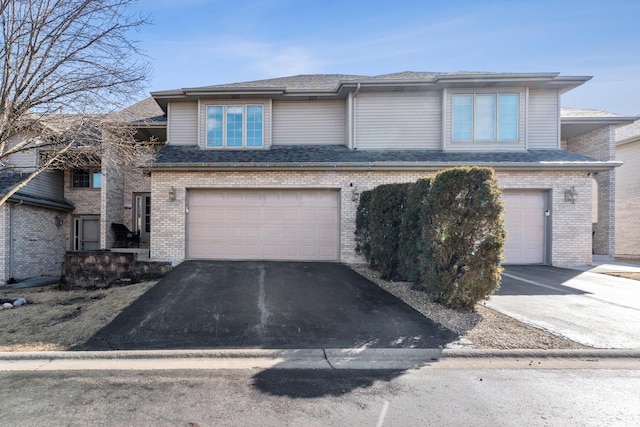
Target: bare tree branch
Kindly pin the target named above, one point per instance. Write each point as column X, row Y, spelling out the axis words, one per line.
column 66, row 67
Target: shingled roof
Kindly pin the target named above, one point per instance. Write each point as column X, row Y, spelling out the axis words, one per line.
column 339, row 156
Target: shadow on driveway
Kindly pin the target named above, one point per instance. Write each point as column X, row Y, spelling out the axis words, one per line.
column 281, row 305
column 537, row 280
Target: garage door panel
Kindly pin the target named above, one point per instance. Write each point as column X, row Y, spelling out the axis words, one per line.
column 263, row 224
column 525, row 225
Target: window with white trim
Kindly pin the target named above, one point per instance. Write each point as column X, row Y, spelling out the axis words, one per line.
column 485, row 117
column 235, row 126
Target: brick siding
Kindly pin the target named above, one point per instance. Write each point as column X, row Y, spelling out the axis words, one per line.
column 570, row 225
column 34, row 243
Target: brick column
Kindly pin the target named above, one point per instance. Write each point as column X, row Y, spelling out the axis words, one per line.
column 600, row 144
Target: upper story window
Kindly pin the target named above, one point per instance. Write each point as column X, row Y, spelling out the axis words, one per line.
column 86, row 178
column 234, row 126
column 485, row 117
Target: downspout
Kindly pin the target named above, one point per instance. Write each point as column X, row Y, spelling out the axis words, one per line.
column 355, row 120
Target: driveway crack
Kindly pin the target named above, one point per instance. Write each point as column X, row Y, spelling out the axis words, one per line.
column 327, row 359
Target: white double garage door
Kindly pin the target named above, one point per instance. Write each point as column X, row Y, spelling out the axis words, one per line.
column 304, row 225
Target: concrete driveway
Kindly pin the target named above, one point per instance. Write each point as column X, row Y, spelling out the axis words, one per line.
column 588, row 307
column 285, row 305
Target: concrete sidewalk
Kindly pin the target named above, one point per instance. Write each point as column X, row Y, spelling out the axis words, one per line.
column 354, row 359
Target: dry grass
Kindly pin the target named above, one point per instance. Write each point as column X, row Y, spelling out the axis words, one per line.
column 61, row 320
column 625, row 274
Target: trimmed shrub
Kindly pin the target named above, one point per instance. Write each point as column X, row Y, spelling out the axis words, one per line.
column 464, row 225
column 363, row 238
column 411, row 244
column 385, row 216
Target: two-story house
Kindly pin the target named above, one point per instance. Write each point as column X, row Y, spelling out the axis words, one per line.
column 272, row 169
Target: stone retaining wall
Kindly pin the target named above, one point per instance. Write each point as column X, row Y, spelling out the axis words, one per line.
column 104, row 268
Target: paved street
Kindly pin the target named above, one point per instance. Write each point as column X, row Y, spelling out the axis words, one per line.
column 594, row 309
column 269, row 397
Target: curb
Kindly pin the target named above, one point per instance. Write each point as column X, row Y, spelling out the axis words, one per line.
column 356, row 359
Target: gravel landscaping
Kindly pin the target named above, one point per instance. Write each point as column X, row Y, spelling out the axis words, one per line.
column 482, row 328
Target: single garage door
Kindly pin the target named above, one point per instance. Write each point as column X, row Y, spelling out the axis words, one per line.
column 263, row 225
column 524, row 217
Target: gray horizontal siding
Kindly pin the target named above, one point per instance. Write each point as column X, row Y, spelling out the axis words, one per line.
column 309, row 123
column 398, row 121
column 543, row 120
column 49, row 185
column 23, row 160
column 183, row 123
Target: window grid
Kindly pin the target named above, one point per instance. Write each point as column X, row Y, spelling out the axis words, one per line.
column 86, row 178
column 234, row 126
column 485, row 117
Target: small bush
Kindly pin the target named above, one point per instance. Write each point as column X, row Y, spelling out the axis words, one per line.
column 411, row 243
column 465, row 226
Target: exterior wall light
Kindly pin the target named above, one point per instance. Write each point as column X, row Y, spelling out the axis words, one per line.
column 570, row 195
column 172, row 194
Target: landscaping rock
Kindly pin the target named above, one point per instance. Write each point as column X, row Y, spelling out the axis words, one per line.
column 19, row 301
column 7, row 305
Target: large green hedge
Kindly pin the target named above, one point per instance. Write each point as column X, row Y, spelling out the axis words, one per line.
column 411, row 243
column 445, row 233
column 385, row 215
column 467, row 235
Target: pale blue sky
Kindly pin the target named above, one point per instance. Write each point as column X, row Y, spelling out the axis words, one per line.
column 205, row 42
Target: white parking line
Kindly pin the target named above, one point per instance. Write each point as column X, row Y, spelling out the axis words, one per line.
column 531, row 282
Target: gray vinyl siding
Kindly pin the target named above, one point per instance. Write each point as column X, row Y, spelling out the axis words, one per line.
column 543, row 120
column 266, row 119
column 23, row 160
column 518, row 145
column 49, row 185
column 309, row 123
column 628, row 200
column 398, row 121
column 182, row 123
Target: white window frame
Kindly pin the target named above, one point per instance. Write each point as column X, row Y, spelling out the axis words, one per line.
column 224, row 127
column 496, row 118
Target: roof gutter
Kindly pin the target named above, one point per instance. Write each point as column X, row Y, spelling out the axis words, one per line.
column 32, row 201
column 600, row 166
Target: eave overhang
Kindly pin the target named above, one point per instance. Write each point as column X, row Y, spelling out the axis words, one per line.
column 18, row 198
column 344, row 87
column 592, row 166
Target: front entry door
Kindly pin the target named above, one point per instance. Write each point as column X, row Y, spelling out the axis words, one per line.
column 86, row 233
column 142, row 216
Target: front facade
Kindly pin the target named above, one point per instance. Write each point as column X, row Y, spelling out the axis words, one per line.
column 273, row 169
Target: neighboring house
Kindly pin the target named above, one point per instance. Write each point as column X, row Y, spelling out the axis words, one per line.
column 628, row 191
column 272, row 169
column 72, row 209
column 592, row 133
column 32, row 222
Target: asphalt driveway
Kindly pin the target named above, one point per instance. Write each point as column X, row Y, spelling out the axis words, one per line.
column 594, row 309
column 284, row 305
